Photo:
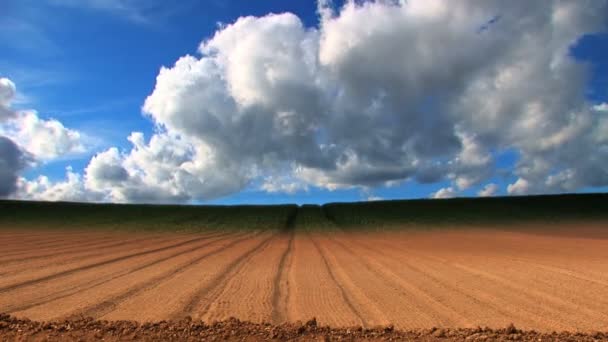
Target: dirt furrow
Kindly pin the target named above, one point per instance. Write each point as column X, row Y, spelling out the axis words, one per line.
column 109, row 304
column 528, row 292
column 517, row 302
column 343, row 293
column 385, row 294
column 25, row 248
column 57, row 265
column 563, row 271
column 75, row 246
column 214, row 287
column 27, row 252
column 33, row 237
column 247, row 292
column 545, row 277
column 422, row 300
column 42, row 279
column 412, row 279
column 312, row 293
column 79, row 288
column 473, row 301
column 533, row 295
column 280, row 294
column 77, row 255
column 168, row 298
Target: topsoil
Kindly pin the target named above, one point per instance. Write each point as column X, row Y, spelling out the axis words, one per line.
column 88, row 329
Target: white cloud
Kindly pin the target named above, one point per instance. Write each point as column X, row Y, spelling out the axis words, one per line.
column 283, row 184
column 424, row 90
column 26, row 139
column 105, row 170
column 448, row 192
column 374, row 198
column 45, row 139
column 602, row 107
column 165, row 169
column 70, row 189
column 489, row 190
column 520, row 187
column 7, row 95
column 471, row 165
column 12, row 161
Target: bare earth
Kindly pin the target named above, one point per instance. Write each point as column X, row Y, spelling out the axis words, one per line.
column 541, row 279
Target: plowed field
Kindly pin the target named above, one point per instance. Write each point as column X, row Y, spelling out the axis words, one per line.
column 536, row 278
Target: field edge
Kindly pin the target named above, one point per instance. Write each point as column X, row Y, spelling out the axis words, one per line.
column 88, row 329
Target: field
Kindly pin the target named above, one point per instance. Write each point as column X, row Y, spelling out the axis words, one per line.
column 540, row 263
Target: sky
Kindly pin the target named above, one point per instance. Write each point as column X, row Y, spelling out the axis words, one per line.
column 256, row 102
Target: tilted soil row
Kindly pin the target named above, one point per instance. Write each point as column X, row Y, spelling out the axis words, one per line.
column 460, row 278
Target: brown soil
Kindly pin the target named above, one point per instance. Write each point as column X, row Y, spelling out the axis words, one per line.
column 416, row 281
column 87, row 329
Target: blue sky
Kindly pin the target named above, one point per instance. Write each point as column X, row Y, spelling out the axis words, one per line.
column 91, row 65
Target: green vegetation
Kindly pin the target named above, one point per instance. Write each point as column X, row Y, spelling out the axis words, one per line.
column 343, row 216
column 313, row 218
column 469, row 211
column 135, row 217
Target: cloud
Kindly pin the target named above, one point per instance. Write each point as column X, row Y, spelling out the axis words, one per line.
column 374, row 198
column 45, row 139
column 471, row 165
column 489, row 190
column 12, row 158
column 424, row 90
column 602, row 107
column 12, row 161
column 286, row 184
column 25, row 139
column 448, row 192
column 43, row 189
column 7, row 94
column 164, row 169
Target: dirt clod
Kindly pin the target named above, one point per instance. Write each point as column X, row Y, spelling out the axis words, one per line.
column 86, row 329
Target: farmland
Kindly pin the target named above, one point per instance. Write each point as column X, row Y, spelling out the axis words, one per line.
column 359, row 216
column 540, row 263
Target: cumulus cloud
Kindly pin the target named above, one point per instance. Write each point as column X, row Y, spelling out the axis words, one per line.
column 164, row 169
column 70, row 189
column 374, row 198
column 602, row 107
column 448, row 192
column 283, row 184
column 45, row 139
column 7, row 94
column 12, row 161
column 26, row 139
column 490, row 189
column 426, row 90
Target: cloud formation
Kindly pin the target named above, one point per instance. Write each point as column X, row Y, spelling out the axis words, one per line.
column 489, row 190
column 45, row 139
column 7, row 94
column 425, row 90
column 26, row 139
column 70, row 189
column 448, row 192
column 12, row 161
